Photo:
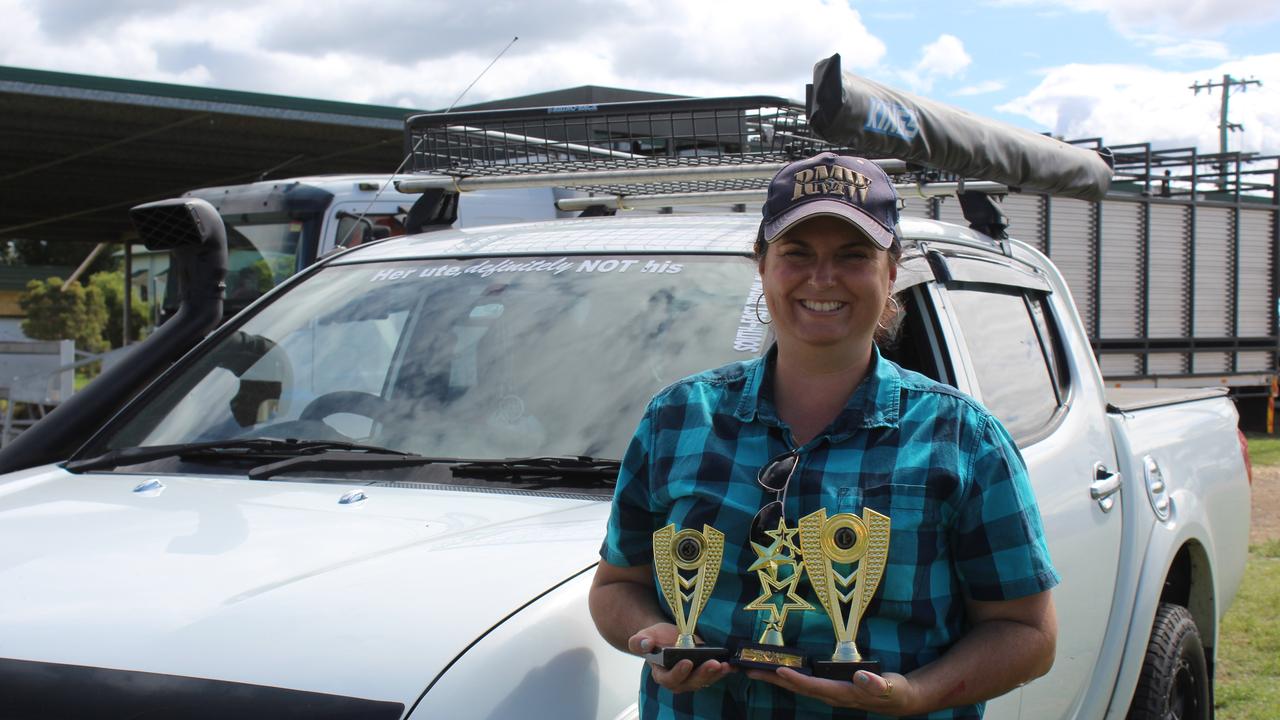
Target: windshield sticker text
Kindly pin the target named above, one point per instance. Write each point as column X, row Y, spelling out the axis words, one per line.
column 486, row 268
column 751, row 331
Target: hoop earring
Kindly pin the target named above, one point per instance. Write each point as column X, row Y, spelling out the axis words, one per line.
column 757, row 306
column 893, row 303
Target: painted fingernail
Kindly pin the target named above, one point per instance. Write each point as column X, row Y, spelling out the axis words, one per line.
column 863, row 678
column 644, row 644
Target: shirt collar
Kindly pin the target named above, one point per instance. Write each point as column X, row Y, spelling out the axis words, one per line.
column 875, row 402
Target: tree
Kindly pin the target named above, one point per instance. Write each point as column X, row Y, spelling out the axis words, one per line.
column 43, row 252
column 74, row 312
column 111, row 285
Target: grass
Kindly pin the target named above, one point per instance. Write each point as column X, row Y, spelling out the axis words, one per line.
column 1263, row 449
column 1248, row 674
column 1247, row 686
column 83, row 377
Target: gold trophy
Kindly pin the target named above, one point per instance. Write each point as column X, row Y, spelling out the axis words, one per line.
column 779, row 572
column 844, row 556
column 687, row 564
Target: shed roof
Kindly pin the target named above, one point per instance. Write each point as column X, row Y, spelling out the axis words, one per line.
column 76, row 151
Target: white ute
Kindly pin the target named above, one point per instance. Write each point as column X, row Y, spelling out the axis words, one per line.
column 380, row 491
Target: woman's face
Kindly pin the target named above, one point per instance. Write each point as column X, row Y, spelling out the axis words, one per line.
column 826, row 285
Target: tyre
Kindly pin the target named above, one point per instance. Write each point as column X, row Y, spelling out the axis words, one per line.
column 1174, row 684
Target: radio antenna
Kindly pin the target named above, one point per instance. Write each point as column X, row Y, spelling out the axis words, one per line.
column 482, row 72
column 414, row 149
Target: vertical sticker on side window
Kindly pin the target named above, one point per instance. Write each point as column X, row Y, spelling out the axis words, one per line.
column 752, row 321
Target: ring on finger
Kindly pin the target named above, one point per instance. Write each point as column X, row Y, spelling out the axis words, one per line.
column 888, row 689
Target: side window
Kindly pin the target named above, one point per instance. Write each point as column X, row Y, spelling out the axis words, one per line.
column 1014, row 348
column 355, row 230
column 913, row 339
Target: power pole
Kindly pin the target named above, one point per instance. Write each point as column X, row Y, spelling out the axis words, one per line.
column 1224, row 125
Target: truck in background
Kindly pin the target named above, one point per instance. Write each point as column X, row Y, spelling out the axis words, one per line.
column 277, row 227
column 1173, row 273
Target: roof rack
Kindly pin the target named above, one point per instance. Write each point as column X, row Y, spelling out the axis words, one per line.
column 632, row 155
column 614, row 135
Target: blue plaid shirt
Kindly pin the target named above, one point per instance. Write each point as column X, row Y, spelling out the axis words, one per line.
column 964, row 520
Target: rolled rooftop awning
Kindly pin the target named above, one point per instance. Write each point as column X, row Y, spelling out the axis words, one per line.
column 882, row 122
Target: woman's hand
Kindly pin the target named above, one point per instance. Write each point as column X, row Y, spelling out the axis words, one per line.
column 683, row 677
column 888, row 694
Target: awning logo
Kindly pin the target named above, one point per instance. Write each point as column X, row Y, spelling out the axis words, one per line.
column 892, row 119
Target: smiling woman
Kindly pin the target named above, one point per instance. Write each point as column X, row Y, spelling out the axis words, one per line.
column 826, row 287
column 887, row 452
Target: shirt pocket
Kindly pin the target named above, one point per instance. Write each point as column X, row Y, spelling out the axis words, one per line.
column 849, row 500
column 911, row 568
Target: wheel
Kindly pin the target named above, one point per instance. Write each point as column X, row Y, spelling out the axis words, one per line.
column 346, row 401
column 1174, row 684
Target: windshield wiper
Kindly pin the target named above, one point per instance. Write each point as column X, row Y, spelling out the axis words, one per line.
column 339, row 460
column 298, row 455
column 564, row 469
column 573, row 468
column 225, row 449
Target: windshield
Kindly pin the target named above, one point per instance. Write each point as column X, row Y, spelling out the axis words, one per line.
column 483, row 358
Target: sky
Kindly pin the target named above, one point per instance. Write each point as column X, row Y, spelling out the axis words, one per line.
column 1121, row 70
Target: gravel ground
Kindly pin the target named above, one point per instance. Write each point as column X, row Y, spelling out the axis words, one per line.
column 1266, row 504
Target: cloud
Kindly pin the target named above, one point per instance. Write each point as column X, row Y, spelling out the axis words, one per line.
column 942, row 58
column 1134, row 103
column 982, row 88
column 1193, row 50
column 422, row 53
column 1183, row 17
column 893, row 15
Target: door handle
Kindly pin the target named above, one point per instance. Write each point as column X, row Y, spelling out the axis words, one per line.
column 1105, row 485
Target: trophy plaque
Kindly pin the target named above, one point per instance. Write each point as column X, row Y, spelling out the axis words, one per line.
column 844, row 557
column 779, row 572
column 687, row 564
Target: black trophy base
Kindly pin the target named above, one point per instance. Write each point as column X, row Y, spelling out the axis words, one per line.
column 770, row 658
column 843, row 669
column 668, row 657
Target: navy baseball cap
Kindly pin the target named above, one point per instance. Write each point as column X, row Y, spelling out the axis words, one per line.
column 853, row 189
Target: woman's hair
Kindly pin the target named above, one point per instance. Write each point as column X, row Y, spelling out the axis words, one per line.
column 887, row 325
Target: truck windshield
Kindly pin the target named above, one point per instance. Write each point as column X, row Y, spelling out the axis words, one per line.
column 260, row 255
column 479, row 358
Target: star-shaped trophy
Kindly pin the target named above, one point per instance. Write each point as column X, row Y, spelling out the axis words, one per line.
column 779, row 572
